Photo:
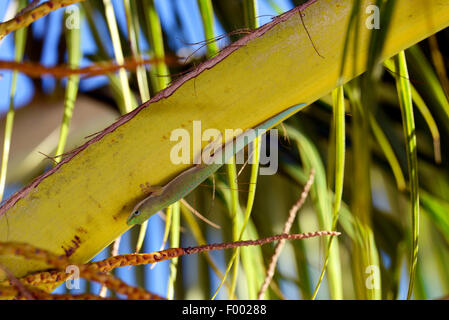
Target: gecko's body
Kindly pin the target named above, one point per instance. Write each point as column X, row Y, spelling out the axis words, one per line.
column 189, row 179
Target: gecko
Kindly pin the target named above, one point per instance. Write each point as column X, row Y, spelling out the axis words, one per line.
column 186, row 181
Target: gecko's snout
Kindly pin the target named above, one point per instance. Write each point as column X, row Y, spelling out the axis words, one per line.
column 132, row 217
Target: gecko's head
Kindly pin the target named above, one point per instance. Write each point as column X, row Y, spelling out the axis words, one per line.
column 144, row 210
column 134, row 217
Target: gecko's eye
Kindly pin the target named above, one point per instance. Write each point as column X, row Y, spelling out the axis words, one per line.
column 136, row 213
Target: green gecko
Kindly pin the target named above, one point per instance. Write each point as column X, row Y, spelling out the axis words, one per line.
column 186, row 181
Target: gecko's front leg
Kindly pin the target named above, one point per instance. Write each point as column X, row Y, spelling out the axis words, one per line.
column 150, row 190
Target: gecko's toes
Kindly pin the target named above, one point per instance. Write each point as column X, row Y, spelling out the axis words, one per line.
column 144, row 188
column 147, row 188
